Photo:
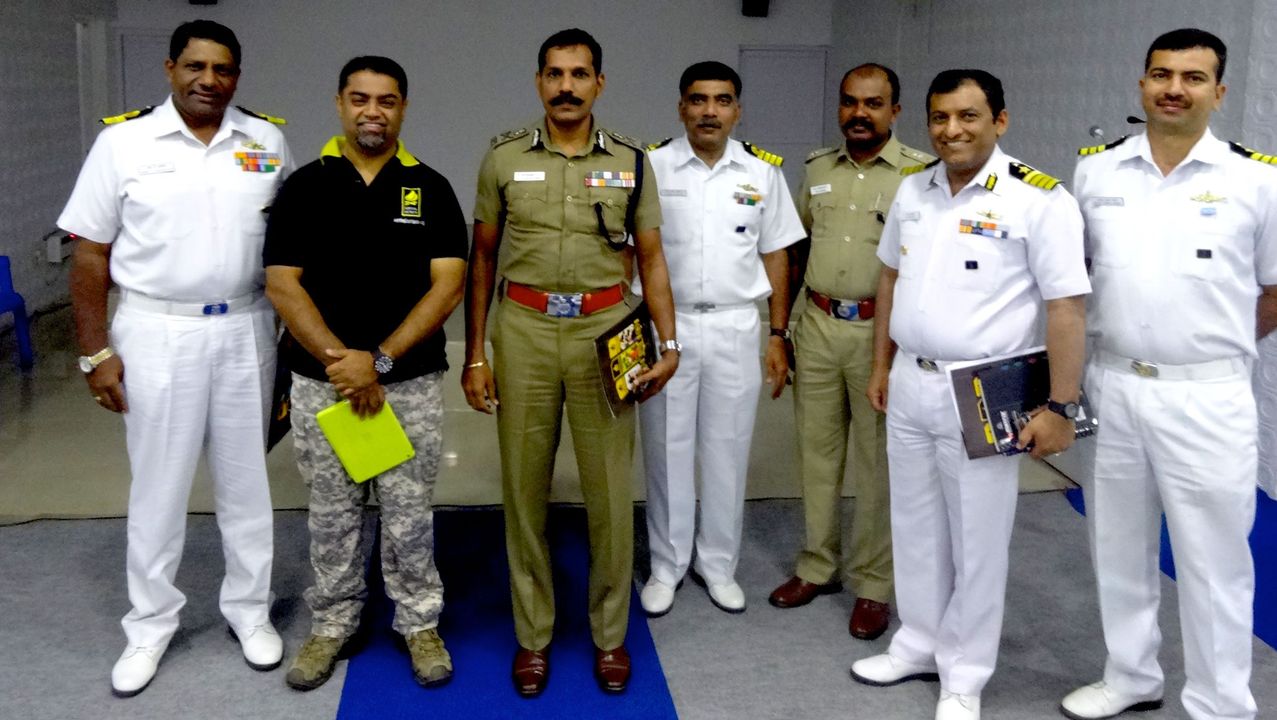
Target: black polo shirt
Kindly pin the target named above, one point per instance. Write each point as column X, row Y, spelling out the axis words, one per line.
column 365, row 251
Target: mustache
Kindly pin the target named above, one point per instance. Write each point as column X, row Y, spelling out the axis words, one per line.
column 709, row 124
column 857, row 123
column 566, row 99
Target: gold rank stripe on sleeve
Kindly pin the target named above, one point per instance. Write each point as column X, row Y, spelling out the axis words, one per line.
column 761, row 154
column 1096, row 149
column 659, row 145
column 263, row 116
column 124, row 117
column 1252, row 154
column 1036, row 178
column 509, row 135
column 821, row 152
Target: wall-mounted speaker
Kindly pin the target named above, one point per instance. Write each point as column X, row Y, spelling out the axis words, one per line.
column 754, row 8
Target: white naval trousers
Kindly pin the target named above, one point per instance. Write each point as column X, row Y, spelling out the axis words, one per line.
column 196, row 383
column 1186, row 448
column 704, row 416
column 1265, row 382
column 951, row 520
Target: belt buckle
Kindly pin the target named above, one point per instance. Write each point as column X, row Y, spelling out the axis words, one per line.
column 563, row 304
column 703, row 306
column 217, row 308
column 1144, row 369
column 844, row 310
column 928, row 364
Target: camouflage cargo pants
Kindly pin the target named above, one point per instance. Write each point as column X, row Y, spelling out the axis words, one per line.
column 337, row 505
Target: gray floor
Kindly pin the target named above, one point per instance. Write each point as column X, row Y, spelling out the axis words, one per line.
column 64, row 594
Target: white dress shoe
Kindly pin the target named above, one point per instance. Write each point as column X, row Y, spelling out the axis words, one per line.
column 262, row 646
column 728, row 597
column 1098, row 700
column 953, row 706
column 887, row 669
column 656, row 597
column 135, row 668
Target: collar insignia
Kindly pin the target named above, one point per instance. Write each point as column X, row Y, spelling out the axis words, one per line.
column 1208, row 197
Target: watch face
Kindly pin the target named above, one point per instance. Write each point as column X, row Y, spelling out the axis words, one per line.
column 382, row 363
column 1070, row 410
column 86, row 365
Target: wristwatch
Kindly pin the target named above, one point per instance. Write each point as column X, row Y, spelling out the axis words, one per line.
column 381, row 362
column 782, row 333
column 671, row 344
column 1067, row 410
column 89, row 363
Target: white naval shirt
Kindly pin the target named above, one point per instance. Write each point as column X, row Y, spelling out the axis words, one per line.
column 1177, row 261
column 967, row 295
column 187, row 220
column 718, row 222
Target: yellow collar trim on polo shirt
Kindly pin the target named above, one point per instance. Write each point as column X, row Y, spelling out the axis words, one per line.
column 334, row 146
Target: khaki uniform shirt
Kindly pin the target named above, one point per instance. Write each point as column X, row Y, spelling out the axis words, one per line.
column 546, row 201
column 843, row 206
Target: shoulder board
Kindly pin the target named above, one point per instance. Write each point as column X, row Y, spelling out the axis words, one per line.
column 916, row 155
column 1252, row 154
column 509, row 135
column 1095, row 149
column 761, row 154
column 263, row 116
column 130, row 115
column 1036, row 178
column 914, row 169
column 659, row 145
column 821, row 152
column 625, row 140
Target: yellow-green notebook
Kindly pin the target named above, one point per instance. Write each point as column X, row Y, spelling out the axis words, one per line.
column 366, row 446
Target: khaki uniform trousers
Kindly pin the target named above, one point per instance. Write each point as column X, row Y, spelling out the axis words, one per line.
column 834, row 359
column 541, row 364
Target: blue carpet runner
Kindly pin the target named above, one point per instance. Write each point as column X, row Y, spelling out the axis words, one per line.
column 1263, row 548
column 478, row 629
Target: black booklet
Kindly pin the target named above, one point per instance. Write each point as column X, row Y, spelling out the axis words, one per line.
column 994, row 396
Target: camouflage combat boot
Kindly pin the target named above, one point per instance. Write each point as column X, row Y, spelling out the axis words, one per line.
column 431, row 663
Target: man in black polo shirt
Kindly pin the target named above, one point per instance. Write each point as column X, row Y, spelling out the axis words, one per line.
column 364, row 260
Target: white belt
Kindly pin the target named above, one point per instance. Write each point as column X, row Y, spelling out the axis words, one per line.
column 708, row 307
column 927, row 364
column 1209, row 370
column 193, row 309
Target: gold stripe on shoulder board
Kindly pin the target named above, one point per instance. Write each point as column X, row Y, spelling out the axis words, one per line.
column 263, row 116
column 124, row 117
column 1253, row 154
column 1036, row 178
column 767, row 157
column 1096, row 149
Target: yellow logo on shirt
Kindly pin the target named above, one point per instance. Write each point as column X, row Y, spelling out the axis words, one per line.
column 988, row 214
column 410, row 202
column 1207, row 197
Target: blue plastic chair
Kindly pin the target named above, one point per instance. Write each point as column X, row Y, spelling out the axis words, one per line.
column 12, row 302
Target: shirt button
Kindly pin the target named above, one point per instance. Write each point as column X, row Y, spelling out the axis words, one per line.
column 571, row 164
column 568, row 198
column 846, row 238
column 851, row 207
column 860, row 175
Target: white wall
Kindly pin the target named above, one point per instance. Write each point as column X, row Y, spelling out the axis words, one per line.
column 40, row 133
column 471, row 63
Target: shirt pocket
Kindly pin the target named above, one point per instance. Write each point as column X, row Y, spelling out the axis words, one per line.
column 527, row 202
column 973, row 263
column 1205, row 254
column 912, row 260
column 1108, row 245
column 612, row 202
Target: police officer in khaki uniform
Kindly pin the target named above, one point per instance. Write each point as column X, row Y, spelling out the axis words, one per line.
column 565, row 197
column 846, row 193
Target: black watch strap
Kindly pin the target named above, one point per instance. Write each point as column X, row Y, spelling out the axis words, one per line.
column 1068, row 410
column 782, row 333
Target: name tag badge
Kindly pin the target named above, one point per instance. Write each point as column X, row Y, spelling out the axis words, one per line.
column 529, row 175
column 1108, row 202
column 910, row 216
column 673, row 192
column 156, row 168
column 821, row 189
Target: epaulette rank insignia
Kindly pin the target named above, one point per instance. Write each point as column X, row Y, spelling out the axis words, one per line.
column 915, row 169
column 821, row 152
column 1096, row 149
column 659, row 145
column 130, row 115
column 626, row 140
column 262, row 116
column 509, row 135
column 1036, row 178
column 761, row 154
column 1252, row 154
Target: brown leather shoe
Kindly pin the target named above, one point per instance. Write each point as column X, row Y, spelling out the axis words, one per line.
column 531, row 671
column 796, row 592
column 612, row 669
column 869, row 619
